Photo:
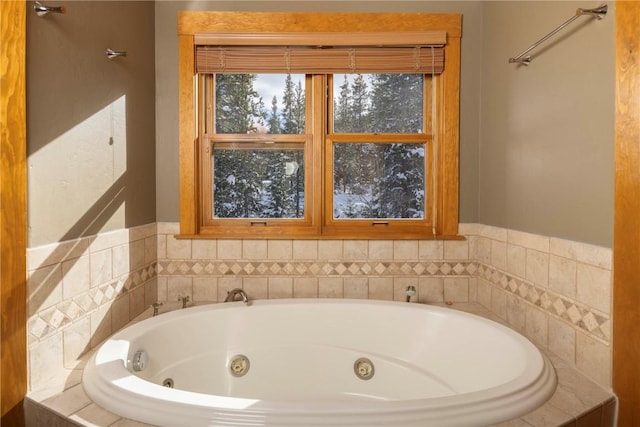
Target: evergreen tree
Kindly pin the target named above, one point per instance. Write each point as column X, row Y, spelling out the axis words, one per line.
column 274, row 120
column 359, row 105
column 236, row 184
column 403, row 94
column 342, row 108
column 239, row 108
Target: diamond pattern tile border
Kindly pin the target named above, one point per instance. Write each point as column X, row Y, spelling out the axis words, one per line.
column 54, row 318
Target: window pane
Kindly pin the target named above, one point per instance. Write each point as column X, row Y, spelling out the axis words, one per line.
column 260, row 103
column 378, row 103
column 378, row 180
column 258, row 183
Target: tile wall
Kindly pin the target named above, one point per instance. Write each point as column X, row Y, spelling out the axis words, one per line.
column 80, row 292
column 556, row 292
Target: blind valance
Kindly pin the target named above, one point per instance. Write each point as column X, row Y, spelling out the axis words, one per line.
column 392, row 52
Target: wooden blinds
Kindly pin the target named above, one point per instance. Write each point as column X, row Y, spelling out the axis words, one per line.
column 318, row 53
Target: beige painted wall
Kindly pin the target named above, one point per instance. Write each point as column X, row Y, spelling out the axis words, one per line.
column 90, row 121
column 547, row 130
column 167, row 83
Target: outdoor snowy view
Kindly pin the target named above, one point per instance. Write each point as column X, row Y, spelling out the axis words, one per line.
column 372, row 180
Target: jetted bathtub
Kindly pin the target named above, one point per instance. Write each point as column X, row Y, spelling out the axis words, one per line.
column 318, row 363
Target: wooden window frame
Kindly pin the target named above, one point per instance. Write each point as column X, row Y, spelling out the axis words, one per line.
column 192, row 147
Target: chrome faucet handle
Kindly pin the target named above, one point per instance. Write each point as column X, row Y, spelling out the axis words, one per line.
column 411, row 291
column 156, row 306
column 185, row 300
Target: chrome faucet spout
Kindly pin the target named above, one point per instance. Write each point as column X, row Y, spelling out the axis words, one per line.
column 233, row 293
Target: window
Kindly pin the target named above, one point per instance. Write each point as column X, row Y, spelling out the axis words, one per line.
column 302, row 128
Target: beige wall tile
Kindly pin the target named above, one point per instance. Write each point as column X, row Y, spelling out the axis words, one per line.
column 136, row 255
column 431, row 289
column 381, row 288
column 137, row 302
column 515, row 311
column 280, row 249
column 330, row 249
column 305, row 287
column 168, row 227
column 42, row 256
column 150, row 249
column 484, row 293
column 356, row 287
column 456, row 249
column 330, row 287
column 257, row 287
column 499, row 254
column 151, row 292
column 528, row 240
column 305, row 249
column 44, row 287
column 356, row 249
column 516, row 260
column 405, row 249
column 280, row 287
column 536, row 325
column 562, row 339
column 473, row 289
column 76, row 340
column 562, row 276
column 75, row 276
column 456, row 289
column 499, row 302
column 593, row 358
column 582, row 252
column 229, row 249
column 179, row 287
column 45, row 361
column 594, row 287
column 204, row 249
column 205, row 289
column 480, row 247
column 161, row 246
column 431, row 249
column 162, row 288
column 119, row 312
column 492, row 232
column 537, row 270
column 381, row 249
column 100, row 325
column 101, row 270
column 121, row 260
column 254, row 249
column 178, row 248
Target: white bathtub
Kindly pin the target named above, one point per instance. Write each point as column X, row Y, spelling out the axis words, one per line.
column 432, row 367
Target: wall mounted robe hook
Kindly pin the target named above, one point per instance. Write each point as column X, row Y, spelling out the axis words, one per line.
column 42, row 10
column 111, row 54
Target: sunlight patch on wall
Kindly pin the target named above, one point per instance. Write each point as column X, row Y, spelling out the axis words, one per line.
column 74, row 181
